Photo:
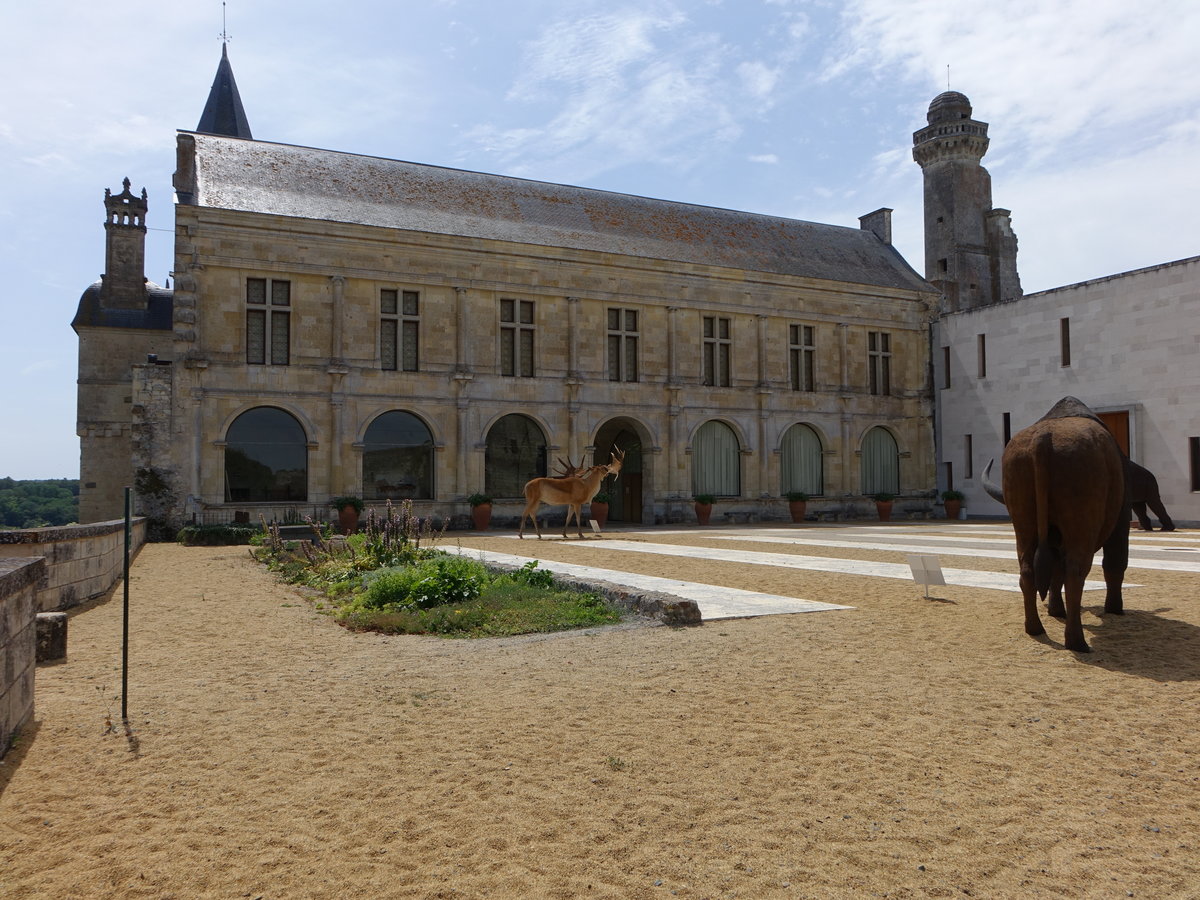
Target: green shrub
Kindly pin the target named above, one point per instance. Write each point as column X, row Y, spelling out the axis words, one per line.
column 531, row 575
column 429, row 583
column 217, row 535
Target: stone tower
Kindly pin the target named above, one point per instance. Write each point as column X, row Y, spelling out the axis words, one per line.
column 970, row 248
column 124, row 279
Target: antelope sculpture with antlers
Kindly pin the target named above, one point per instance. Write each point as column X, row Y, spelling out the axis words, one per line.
column 572, row 490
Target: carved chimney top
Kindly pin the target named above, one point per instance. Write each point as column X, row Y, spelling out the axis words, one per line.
column 125, row 208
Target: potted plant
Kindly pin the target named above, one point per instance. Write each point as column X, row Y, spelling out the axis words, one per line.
column 600, row 507
column 349, row 509
column 704, row 504
column 883, row 505
column 797, row 504
column 953, row 501
column 481, row 511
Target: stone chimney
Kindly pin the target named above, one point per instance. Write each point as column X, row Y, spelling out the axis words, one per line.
column 879, row 222
column 124, row 285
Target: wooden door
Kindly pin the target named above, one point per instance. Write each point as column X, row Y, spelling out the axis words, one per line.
column 1118, row 424
column 631, row 497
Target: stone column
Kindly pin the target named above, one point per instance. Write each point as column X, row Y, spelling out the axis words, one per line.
column 337, row 483
column 673, row 440
column 764, row 410
column 844, row 356
column 460, row 330
column 672, row 336
column 573, row 382
column 197, row 445
column 464, row 442
column 847, row 452
column 337, row 314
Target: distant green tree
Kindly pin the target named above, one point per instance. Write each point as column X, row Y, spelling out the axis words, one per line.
column 38, row 503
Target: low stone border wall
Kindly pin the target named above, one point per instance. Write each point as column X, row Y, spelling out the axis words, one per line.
column 82, row 561
column 667, row 608
column 20, row 581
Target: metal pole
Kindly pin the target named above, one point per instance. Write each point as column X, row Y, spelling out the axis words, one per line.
column 125, row 614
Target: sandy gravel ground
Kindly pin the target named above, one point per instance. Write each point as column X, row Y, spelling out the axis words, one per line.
column 905, row 748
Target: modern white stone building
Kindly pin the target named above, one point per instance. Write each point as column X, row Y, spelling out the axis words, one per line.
column 1125, row 345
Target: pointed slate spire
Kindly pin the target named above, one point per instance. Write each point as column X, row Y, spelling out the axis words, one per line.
column 223, row 113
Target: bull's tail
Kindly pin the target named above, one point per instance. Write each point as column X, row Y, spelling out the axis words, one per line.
column 1047, row 553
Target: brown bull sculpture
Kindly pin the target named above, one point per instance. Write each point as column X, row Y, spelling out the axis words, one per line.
column 1064, row 486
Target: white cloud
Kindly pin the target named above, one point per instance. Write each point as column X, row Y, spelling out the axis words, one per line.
column 1056, row 74
column 758, row 78
column 624, row 86
column 765, row 158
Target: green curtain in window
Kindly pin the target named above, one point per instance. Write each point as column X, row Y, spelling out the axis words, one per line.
column 880, row 463
column 802, row 462
column 716, row 461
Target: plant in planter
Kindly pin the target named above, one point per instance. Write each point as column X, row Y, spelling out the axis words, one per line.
column 349, row 509
column 797, row 504
column 599, row 510
column 481, row 511
column 883, row 505
column 703, row 507
column 953, row 501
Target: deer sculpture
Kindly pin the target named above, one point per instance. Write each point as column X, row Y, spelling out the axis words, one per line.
column 572, row 490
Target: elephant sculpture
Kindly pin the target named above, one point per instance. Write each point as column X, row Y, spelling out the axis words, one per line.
column 1141, row 489
column 1064, row 486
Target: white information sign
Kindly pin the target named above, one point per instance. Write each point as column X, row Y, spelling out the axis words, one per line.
column 926, row 570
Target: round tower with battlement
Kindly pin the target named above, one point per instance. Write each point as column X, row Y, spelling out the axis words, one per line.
column 970, row 247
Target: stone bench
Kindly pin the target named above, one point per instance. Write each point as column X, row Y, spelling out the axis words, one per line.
column 917, row 510
column 744, row 517
column 831, row 514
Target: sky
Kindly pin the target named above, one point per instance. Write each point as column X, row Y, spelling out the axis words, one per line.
column 796, row 108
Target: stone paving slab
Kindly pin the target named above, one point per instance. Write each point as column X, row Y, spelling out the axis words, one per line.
column 715, row 602
column 1145, row 558
column 1000, row 581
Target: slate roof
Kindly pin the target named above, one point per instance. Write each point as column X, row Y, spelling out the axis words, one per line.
column 287, row 180
column 155, row 317
column 223, row 113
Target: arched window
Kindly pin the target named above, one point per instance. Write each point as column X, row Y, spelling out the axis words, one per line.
column 398, row 458
column 880, row 463
column 266, row 458
column 802, row 465
column 516, row 452
column 716, row 461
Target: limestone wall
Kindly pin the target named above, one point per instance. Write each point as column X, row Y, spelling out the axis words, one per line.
column 334, row 385
column 1120, row 344
column 82, row 561
column 19, row 583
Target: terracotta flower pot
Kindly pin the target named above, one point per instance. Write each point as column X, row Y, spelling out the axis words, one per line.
column 481, row 516
column 348, row 519
column 797, row 508
column 884, row 508
column 703, row 511
column 953, row 508
column 599, row 512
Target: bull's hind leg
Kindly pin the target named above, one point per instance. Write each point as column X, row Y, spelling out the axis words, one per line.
column 1033, row 622
column 1116, row 561
column 1073, row 600
column 1054, row 604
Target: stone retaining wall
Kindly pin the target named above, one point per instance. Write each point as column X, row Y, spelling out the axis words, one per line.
column 82, row 561
column 20, row 581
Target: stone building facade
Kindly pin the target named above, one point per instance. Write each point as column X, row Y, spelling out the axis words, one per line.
column 343, row 324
